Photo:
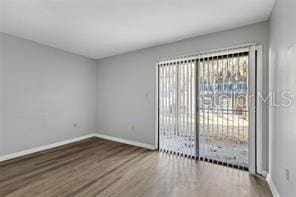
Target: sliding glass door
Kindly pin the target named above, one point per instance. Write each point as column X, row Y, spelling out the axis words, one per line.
column 204, row 108
column 223, row 109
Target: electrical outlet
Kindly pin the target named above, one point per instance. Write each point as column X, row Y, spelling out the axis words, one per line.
column 287, row 174
column 133, row 127
column 75, row 125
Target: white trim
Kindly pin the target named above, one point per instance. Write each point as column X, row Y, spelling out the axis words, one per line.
column 156, row 107
column 259, row 111
column 54, row 145
column 134, row 143
column 264, row 173
column 252, row 111
column 42, row 148
column 270, row 112
column 272, row 186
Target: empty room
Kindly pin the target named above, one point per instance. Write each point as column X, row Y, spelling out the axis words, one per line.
column 148, row 98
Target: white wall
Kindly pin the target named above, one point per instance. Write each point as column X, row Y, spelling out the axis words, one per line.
column 283, row 77
column 45, row 91
column 126, row 83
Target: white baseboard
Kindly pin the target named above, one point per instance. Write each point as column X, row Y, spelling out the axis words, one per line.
column 42, row 148
column 147, row 146
column 46, row 147
column 264, row 173
column 272, row 186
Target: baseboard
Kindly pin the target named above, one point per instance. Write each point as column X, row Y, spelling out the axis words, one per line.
column 107, row 137
column 42, row 148
column 272, row 186
column 46, row 147
column 264, row 173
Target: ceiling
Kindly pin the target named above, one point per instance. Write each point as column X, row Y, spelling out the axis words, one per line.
column 102, row 28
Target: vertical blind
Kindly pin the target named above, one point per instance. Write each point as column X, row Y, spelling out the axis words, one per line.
column 203, row 106
column 177, row 127
column 223, row 110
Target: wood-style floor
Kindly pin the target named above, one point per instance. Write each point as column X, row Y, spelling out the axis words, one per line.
column 97, row 167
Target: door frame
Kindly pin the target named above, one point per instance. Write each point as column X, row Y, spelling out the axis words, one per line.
column 259, row 110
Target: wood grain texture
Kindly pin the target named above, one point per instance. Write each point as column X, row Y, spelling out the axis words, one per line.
column 97, row 167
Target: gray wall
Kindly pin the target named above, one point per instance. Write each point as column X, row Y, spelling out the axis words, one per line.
column 1, row 97
column 283, row 77
column 126, row 83
column 45, row 91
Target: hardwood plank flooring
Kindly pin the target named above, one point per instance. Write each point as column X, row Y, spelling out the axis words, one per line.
column 98, row 167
